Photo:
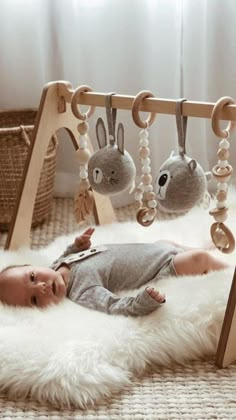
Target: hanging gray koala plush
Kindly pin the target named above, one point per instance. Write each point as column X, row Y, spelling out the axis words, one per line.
column 111, row 169
column 181, row 183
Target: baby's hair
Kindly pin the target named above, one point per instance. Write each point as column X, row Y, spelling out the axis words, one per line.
column 12, row 266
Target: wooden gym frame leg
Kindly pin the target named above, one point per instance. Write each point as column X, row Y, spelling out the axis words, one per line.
column 54, row 113
column 226, row 351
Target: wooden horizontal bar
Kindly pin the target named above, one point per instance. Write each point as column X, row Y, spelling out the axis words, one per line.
column 157, row 105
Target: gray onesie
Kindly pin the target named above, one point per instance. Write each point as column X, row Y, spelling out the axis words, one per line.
column 99, row 272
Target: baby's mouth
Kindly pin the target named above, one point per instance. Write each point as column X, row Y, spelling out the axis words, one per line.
column 54, row 289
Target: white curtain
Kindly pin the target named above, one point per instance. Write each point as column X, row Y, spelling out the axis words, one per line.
column 209, row 46
column 175, row 48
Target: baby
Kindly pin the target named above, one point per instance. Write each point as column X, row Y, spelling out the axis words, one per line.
column 90, row 276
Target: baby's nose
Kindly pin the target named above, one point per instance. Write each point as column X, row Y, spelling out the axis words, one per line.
column 43, row 287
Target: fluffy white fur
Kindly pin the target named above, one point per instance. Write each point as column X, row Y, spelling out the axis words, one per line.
column 71, row 356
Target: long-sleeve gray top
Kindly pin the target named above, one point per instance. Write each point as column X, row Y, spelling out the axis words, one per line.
column 98, row 273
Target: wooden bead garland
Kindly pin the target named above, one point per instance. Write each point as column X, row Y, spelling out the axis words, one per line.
column 145, row 214
column 222, row 171
column 84, row 200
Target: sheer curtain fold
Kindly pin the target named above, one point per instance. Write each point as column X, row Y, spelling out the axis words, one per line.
column 209, row 42
column 173, row 48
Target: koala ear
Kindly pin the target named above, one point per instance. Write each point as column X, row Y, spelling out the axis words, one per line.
column 192, row 165
column 101, row 133
column 120, row 138
column 172, row 154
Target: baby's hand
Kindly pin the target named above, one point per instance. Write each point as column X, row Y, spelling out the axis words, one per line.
column 83, row 241
column 156, row 295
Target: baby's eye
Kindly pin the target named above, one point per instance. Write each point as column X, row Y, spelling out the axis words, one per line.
column 32, row 276
column 34, row 301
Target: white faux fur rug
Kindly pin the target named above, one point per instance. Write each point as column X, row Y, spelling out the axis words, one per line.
column 71, row 356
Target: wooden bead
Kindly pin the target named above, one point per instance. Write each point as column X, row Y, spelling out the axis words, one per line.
column 153, row 212
column 223, row 154
column 83, row 127
column 150, row 196
column 146, row 179
column 221, row 195
column 138, row 204
column 83, row 174
column 83, row 141
column 221, row 204
column 220, row 215
column 224, row 144
column 146, row 169
column 138, row 196
column 84, row 185
column 144, row 152
column 139, row 190
column 144, row 142
column 152, row 204
column 82, row 155
column 222, row 186
column 144, row 134
column 148, row 188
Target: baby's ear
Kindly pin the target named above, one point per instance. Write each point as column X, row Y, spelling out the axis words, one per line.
column 120, row 138
column 101, row 133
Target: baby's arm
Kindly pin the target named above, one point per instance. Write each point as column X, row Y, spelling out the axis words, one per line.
column 101, row 299
column 81, row 243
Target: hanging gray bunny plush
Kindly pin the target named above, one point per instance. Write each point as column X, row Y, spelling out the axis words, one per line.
column 181, row 183
column 111, row 169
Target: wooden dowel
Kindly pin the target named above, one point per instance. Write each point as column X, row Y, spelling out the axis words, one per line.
column 158, row 105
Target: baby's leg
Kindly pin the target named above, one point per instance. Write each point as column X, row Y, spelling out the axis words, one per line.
column 197, row 261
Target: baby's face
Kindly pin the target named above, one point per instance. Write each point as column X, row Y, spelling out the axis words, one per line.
column 31, row 286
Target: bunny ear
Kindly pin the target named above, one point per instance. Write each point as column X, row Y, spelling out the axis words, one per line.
column 101, row 133
column 120, row 138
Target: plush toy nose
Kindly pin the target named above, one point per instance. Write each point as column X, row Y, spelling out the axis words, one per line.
column 162, row 180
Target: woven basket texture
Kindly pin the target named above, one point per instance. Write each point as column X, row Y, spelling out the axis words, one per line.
column 16, row 128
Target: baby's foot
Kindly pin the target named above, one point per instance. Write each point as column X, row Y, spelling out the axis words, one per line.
column 157, row 296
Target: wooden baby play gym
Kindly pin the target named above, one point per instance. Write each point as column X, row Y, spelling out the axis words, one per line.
column 59, row 108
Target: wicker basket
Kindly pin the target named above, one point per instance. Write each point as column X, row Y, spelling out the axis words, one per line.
column 16, row 127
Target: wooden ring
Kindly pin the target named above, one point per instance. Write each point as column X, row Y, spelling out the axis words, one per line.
column 140, row 215
column 215, row 120
column 229, row 171
column 74, row 103
column 230, row 237
column 135, row 109
column 222, row 176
